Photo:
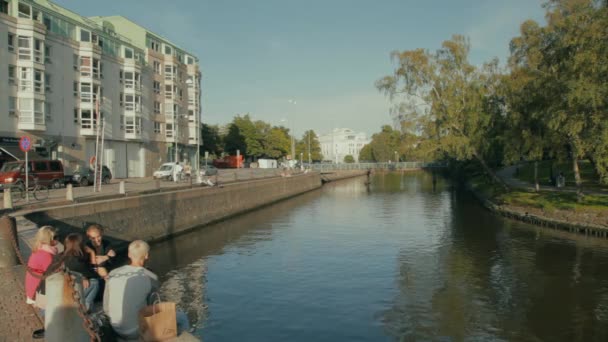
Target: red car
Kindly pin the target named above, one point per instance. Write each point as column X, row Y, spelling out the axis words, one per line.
column 48, row 172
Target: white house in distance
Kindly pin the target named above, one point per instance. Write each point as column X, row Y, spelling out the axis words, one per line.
column 342, row 142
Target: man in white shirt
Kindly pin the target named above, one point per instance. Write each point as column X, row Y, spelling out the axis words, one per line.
column 127, row 291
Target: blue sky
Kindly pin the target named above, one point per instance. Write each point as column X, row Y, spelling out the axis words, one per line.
column 324, row 54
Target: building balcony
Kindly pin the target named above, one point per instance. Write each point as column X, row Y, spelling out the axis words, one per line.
column 31, row 126
column 133, row 135
column 87, row 130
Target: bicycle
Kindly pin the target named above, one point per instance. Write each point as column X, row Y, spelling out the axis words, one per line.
column 39, row 191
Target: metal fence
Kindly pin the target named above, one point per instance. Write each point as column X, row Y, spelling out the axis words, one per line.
column 383, row 166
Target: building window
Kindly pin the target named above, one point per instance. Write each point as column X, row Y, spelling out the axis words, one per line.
column 85, row 66
column 38, row 50
column 122, row 122
column 157, row 67
column 157, row 127
column 26, row 110
column 169, row 130
column 120, row 76
column 76, row 115
column 169, row 110
column 11, row 42
column 47, row 111
column 154, row 45
column 38, row 112
column 75, row 88
column 170, row 71
column 121, row 99
column 156, row 107
column 156, row 86
column 129, row 83
column 189, row 60
column 25, row 11
column 128, row 53
column 85, row 36
column 168, row 50
column 12, row 105
column 4, row 6
column 132, row 124
column 168, row 92
column 38, row 81
column 75, row 60
column 11, row 74
column 25, row 79
column 47, row 54
column 86, row 119
column 46, row 20
column 47, row 83
column 96, row 67
column 25, row 48
column 86, row 92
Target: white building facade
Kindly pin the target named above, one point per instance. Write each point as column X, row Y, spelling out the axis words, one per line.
column 54, row 64
column 342, row 142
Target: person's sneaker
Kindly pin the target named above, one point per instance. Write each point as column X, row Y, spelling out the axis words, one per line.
column 38, row 334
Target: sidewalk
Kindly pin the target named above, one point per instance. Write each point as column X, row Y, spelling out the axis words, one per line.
column 507, row 174
column 137, row 185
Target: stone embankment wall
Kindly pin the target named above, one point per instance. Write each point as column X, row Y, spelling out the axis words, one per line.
column 161, row 215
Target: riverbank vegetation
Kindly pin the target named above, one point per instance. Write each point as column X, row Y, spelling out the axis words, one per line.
column 258, row 139
column 549, row 102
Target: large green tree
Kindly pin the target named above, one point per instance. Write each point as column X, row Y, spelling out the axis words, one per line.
column 309, row 142
column 457, row 94
column 212, row 141
column 562, row 70
column 277, row 143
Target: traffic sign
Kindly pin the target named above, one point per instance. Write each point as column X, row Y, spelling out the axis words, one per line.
column 25, row 144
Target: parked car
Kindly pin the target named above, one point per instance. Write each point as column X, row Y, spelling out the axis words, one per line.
column 208, row 170
column 165, row 171
column 86, row 176
column 48, row 172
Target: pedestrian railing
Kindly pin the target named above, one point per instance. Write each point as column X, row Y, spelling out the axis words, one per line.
column 375, row 166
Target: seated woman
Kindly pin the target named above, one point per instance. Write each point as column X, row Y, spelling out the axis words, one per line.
column 77, row 260
column 43, row 255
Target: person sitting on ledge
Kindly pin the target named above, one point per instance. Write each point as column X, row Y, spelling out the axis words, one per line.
column 100, row 246
column 76, row 259
column 127, row 291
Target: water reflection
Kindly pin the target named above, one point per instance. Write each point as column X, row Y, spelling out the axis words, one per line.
column 403, row 257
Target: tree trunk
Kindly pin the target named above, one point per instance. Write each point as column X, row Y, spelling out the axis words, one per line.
column 577, row 178
column 491, row 172
column 536, row 185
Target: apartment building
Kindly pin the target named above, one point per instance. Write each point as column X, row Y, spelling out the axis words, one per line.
column 341, row 142
column 54, row 64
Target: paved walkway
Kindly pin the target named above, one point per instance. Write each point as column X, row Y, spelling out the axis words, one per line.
column 507, row 174
column 135, row 185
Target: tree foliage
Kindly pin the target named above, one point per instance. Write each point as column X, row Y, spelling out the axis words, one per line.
column 349, row 159
column 551, row 101
column 459, row 98
column 309, row 142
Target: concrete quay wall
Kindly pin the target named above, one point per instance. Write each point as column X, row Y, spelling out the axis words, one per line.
column 160, row 215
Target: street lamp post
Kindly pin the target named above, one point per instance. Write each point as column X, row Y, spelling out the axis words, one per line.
column 293, row 145
column 396, row 157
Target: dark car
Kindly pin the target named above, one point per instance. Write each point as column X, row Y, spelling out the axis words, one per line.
column 86, row 176
column 208, row 170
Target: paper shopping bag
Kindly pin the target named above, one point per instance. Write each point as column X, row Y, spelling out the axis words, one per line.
column 157, row 322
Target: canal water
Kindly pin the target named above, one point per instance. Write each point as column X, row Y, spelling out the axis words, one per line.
column 394, row 260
